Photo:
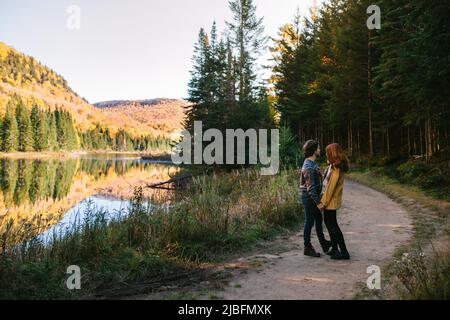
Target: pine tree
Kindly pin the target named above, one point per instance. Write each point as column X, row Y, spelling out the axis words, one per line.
column 39, row 130
column 229, row 81
column 73, row 142
column 25, row 141
column 368, row 90
column 9, row 129
column 123, row 141
column 413, row 73
column 61, row 129
column 287, row 76
column 52, row 132
column 197, row 87
column 247, row 37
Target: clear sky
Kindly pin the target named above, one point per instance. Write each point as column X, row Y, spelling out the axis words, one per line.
column 125, row 49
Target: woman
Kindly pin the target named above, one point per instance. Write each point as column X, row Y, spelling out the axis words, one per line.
column 331, row 200
column 311, row 187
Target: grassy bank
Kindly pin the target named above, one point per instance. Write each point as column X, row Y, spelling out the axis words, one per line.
column 217, row 215
column 41, row 155
column 431, row 178
column 421, row 269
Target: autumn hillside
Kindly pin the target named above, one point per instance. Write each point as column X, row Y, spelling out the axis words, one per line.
column 37, row 84
column 164, row 115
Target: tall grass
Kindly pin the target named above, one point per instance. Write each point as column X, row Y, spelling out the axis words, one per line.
column 215, row 215
column 424, row 278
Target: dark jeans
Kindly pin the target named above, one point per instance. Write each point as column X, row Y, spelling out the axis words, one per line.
column 337, row 238
column 313, row 216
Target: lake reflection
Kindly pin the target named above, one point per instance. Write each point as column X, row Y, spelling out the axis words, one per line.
column 36, row 196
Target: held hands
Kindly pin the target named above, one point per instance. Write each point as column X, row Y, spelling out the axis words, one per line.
column 321, row 206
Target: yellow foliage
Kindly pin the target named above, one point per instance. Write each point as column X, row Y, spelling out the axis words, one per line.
column 3, row 101
column 4, row 50
column 327, row 61
column 312, row 87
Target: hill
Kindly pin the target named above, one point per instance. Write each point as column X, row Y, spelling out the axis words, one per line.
column 37, row 84
column 163, row 115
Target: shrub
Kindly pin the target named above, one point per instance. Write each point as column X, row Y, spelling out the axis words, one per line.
column 422, row 279
column 291, row 154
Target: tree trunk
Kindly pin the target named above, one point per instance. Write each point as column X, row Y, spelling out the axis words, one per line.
column 321, row 131
column 415, row 141
column 349, row 147
column 421, row 139
column 435, row 138
column 369, row 83
column 429, row 140
column 359, row 143
column 409, row 142
column 388, row 143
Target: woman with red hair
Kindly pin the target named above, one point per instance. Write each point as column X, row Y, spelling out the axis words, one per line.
column 331, row 200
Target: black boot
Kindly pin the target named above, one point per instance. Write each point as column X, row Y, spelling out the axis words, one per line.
column 310, row 252
column 341, row 256
column 333, row 252
column 326, row 245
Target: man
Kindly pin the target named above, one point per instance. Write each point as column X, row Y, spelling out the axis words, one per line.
column 311, row 188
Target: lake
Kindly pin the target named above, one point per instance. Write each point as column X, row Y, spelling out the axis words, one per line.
column 40, row 196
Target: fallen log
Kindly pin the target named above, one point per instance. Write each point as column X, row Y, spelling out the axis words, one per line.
column 177, row 181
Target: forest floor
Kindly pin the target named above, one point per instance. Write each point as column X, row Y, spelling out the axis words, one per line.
column 374, row 226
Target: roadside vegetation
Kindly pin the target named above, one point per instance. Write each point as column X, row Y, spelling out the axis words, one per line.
column 421, row 269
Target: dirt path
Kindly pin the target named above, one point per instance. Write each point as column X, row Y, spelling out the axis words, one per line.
column 373, row 225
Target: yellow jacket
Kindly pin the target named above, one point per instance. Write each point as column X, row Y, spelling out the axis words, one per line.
column 332, row 195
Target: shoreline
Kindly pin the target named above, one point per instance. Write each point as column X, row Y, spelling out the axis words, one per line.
column 76, row 154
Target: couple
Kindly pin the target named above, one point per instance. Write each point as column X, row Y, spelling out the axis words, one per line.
column 323, row 193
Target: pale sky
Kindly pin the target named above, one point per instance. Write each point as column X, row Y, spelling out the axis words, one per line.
column 125, row 49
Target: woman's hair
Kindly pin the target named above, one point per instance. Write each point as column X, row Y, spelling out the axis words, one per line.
column 337, row 158
column 310, row 148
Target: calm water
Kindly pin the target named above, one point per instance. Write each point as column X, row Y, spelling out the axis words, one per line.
column 43, row 196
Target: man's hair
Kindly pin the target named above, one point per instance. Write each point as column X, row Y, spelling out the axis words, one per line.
column 310, row 148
